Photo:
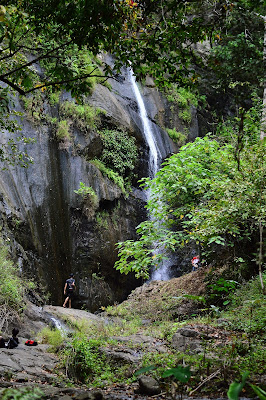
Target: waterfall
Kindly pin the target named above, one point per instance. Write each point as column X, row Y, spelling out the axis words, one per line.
column 155, row 159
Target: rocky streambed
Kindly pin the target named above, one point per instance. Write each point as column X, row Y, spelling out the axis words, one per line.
column 155, row 305
column 25, row 368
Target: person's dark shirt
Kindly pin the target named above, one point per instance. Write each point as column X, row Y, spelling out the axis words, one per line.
column 70, row 284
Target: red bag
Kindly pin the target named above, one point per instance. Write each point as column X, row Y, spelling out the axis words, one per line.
column 31, row 343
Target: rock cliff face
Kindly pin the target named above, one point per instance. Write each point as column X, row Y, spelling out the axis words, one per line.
column 52, row 230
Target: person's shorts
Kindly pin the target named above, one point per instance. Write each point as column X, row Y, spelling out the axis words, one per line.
column 69, row 294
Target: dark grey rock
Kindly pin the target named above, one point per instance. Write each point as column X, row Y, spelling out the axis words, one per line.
column 183, row 340
column 148, row 385
column 90, row 395
column 125, row 356
column 188, row 332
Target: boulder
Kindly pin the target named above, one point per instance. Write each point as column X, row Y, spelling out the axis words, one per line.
column 149, row 386
column 187, row 339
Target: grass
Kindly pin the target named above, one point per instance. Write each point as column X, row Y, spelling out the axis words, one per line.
column 84, row 116
column 247, row 311
column 178, row 137
column 117, row 179
column 12, row 285
column 53, row 337
column 62, row 130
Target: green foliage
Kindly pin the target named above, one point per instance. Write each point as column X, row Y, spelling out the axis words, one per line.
column 219, row 290
column 258, row 391
column 119, row 152
column 247, row 310
column 87, row 192
column 138, row 256
column 27, row 393
column 53, row 337
column 117, row 179
column 180, row 373
column 235, row 388
column 144, row 370
column 234, row 71
column 178, row 137
column 184, row 98
column 209, row 193
column 12, row 286
column 236, row 37
column 62, row 54
column 54, row 97
column 84, row 116
column 9, row 149
column 85, row 362
column 102, row 220
column 62, row 130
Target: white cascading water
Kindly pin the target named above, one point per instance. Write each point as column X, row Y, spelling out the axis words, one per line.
column 155, row 159
column 155, row 155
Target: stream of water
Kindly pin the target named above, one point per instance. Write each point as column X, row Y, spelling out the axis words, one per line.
column 155, row 159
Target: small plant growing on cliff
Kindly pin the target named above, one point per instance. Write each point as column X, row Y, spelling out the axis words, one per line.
column 90, row 199
column 114, row 176
column 62, row 131
column 87, row 192
column 83, row 115
column 184, row 99
column 177, row 137
column 119, row 152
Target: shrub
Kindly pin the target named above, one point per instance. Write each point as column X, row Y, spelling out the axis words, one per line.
column 248, row 307
column 52, row 337
column 119, row 151
column 12, row 289
column 12, row 286
column 87, row 192
column 90, row 199
column 54, row 98
column 62, row 131
column 34, row 107
column 184, row 98
column 177, row 137
column 83, row 115
column 84, row 361
column 118, row 180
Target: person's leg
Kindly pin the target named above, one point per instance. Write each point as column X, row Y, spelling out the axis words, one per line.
column 69, row 303
column 66, row 300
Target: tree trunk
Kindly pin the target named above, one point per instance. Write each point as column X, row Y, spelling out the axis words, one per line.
column 262, row 136
column 263, row 119
column 260, row 261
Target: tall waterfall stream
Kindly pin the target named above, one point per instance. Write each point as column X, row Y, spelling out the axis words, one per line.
column 155, row 159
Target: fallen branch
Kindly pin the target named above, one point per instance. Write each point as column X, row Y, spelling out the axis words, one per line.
column 206, row 380
column 159, row 394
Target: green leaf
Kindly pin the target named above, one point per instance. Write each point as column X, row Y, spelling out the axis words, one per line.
column 236, row 387
column 144, row 369
column 259, row 392
column 181, row 373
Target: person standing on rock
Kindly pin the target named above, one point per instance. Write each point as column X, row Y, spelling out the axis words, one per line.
column 69, row 290
column 195, row 263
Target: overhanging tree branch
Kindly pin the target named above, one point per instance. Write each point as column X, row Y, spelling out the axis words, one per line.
column 35, row 60
column 54, row 83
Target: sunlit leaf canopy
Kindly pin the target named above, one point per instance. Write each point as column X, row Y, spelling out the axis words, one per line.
column 157, row 38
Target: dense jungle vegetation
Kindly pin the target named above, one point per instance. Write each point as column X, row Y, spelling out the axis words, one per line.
column 210, row 195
